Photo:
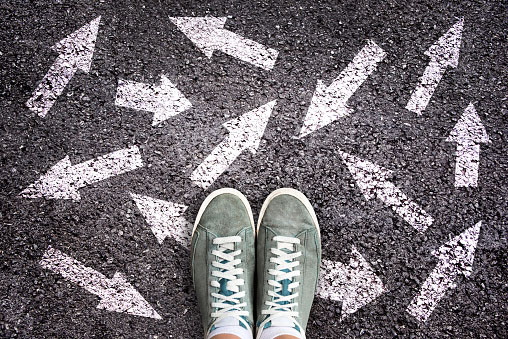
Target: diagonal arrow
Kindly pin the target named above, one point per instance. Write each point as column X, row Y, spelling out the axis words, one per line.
column 245, row 132
column 63, row 180
column 355, row 285
column 164, row 100
column 165, row 218
column 455, row 257
column 75, row 52
column 443, row 54
column 373, row 182
column 329, row 103
column 208, row 34
column 116, row 294
column 468, row 133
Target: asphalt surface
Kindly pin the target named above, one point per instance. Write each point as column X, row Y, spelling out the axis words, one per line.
column 315, row 40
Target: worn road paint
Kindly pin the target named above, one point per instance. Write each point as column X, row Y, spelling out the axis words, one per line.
column 329, row 103
column 164, row 100
column 245, row 132
column 63, row 180
column 75, row 52
column 468, row 133
column 443, row 54
column 116, row 294
column 165, row 218
column 355, row 285
column 208, row 34
column 455, row 257
column 373, row 182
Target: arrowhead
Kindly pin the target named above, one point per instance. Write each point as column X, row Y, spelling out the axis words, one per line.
column 202, row 31
column 120, row 296
column 446, row 49
column 55, row 184
column 325, row 107
column 171, row 101
column 250, row 127
column 165, row 218
column 459, row 252
column 368, row 176
column 469, row 129
column 78, row 47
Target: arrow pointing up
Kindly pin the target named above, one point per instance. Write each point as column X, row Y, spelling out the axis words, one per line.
column 63, row 180
column 455, row 257
column 164, row 100
column 373, row 182
column 443, row 54
column 165, row 218
column 208, row 34
column 245, row 132
column 75, row 52
column 329, row 103
column 468, row 133
column 355, row 285
column 116, row 294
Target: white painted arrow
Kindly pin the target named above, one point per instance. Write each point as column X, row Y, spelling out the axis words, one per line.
column 373, row 182
column 443, row 54
column 244, row 132
column 164, row 100
column 75, row 52
column 165, row 218
column 468, row 133
column 63, row 180
column 455, row 257
column 355, row 285
column 208, row 34
column 329, row 103
column 116, row 294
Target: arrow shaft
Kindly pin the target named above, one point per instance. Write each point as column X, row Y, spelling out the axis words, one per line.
column 106, row 166
column 137, row 95
column 245, row 49
column 428, row 84
column 52, row 85
column 466, row 166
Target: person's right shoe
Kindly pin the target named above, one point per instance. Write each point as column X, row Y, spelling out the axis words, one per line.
column 288, row 259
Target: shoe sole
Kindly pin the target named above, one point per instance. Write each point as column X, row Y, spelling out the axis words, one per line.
column 294, row 193
column 215, row 194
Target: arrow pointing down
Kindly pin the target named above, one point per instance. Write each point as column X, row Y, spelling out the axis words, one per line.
column 245, row 132
column 75, row 52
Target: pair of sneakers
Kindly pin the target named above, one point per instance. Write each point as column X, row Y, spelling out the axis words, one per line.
column 271, row 269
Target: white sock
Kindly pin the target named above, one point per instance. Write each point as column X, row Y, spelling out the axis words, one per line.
column 230, row 325
column 280, row 326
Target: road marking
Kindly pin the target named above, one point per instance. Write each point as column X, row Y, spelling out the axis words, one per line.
column 373, row 182
column 165, row 218
column 329, row 103
column 245, row 132
column 75, row 52
column 468, row 133
column 455, row 257
column 443, row 54
column 355, row 285
column 63, row 180
column 116, row 294
column 208, row 34
column 164, row 100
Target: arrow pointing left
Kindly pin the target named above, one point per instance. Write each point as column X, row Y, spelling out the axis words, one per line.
column 116, row 294
column 75, row 52
column 63, row 180
column 355, row 284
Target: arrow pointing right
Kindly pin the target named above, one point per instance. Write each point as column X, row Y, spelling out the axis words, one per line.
column 245, row 132
column 116, row 294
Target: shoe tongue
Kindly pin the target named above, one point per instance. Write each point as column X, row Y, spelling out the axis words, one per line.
column 282, row 321
column 227, row 321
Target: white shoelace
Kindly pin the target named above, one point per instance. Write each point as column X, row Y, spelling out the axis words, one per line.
column 284, row 258
column 225, row 268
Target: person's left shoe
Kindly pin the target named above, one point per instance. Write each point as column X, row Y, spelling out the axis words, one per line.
column 223, row 263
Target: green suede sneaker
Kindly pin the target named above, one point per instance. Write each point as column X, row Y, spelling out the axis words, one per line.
column 223, row 263
column 288, row 259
